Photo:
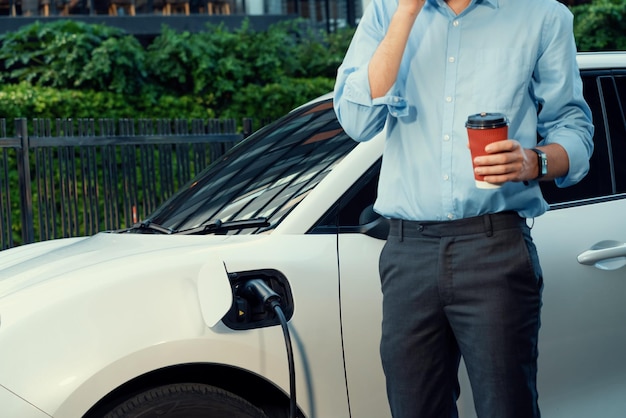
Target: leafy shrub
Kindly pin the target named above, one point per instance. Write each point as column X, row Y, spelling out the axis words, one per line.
column 223, row 63
column 600, row 25
column 275, row 99
column 75, row 55
column 320, row 53
column 73, row 69
column 25, row 100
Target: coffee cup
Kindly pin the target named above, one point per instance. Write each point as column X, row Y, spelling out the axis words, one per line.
column 483, row 129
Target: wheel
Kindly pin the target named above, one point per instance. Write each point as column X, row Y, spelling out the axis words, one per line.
column 186, row 400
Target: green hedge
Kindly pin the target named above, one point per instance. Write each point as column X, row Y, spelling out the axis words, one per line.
column 73, row 69
column 600, row 25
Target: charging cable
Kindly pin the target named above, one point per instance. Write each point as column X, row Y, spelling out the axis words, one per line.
column 258, row 289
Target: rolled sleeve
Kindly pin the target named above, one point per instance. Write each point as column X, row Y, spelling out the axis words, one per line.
column 355, row 93
column 578, row 151
column 565, row 117
column 361, row 116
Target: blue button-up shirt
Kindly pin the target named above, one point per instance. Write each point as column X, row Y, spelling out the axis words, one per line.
column 507, row 56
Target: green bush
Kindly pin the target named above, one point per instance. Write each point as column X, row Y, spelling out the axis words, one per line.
column 320, row 53
column 273, row 100
column 25, row 100
column 228, row 65
column 73, row 69
column 600, row 25
column 68, row 54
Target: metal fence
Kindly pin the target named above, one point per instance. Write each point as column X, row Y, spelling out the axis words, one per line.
column 66, row 178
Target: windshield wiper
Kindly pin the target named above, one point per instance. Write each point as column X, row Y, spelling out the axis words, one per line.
column 148, row 225
column 217, row 226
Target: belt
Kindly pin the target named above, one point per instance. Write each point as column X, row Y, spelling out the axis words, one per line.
column 476, row 225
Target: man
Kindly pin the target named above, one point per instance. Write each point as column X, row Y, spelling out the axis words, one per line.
column 459, row 272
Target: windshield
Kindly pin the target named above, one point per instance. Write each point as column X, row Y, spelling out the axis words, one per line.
column 264, row 177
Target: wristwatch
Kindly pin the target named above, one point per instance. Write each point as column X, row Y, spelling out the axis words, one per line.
column 542, row 162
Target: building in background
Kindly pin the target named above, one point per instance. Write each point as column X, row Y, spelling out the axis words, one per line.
column 325, row 14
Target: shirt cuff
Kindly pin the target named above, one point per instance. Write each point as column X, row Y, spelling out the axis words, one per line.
column 357, row 91
column 578, row 156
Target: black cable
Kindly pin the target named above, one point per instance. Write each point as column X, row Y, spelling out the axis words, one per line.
column 260, row 290
column 292, row 369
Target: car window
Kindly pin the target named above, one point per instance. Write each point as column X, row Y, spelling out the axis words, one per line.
column 266, row 175
column 605, row 93
column 355, row 208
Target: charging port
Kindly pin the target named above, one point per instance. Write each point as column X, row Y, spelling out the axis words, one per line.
column 249, row 313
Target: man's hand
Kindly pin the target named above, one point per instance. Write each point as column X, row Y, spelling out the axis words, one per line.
column 509, row 161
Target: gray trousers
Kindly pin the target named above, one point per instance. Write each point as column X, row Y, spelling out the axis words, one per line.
column 468, row 288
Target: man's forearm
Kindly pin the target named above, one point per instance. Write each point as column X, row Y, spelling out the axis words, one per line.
column 558, row 161
column 385, row 63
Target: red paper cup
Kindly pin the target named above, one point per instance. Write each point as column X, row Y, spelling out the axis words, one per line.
column 483, row 129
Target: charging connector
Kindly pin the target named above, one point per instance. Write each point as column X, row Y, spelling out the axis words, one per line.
column 258, row 290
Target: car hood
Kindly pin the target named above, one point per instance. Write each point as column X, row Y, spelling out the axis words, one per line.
column 30, row 265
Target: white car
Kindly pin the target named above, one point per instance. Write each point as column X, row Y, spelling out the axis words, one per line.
column 163, row 319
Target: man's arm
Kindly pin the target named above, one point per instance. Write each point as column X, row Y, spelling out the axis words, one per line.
column 385, row 63
column 564, row 120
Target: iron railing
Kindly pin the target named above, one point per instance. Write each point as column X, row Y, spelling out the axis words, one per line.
column 67, row 178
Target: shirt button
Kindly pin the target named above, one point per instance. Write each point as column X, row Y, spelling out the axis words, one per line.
column 451, row 59
column 446, row 177
column 446, row 137
column 450, row 216
column 396, row 100
column 455, row 23
column 448, row 99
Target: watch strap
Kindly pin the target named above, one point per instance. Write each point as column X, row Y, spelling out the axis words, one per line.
column 542, row 163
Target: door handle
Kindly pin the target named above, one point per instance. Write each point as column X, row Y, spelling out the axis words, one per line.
column 605, row 255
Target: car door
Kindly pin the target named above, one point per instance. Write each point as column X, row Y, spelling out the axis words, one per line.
column 359, row 242
column 581, row 243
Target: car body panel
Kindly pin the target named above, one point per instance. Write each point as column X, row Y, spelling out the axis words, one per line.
column 69, row 304
column 605, row 60
column 583, row 332
column 167, row 326
column 361, row 301
column 14, row 406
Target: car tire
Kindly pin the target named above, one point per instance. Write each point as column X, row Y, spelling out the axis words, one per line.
column 186, row 400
